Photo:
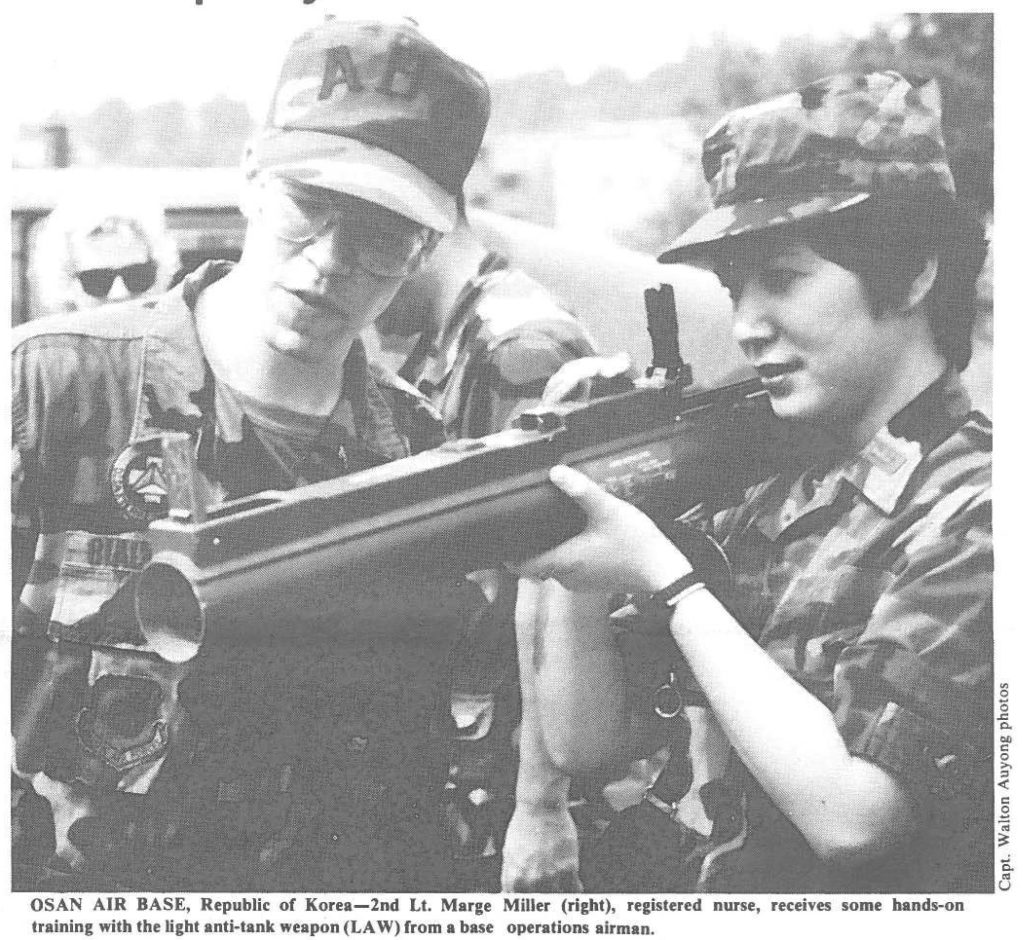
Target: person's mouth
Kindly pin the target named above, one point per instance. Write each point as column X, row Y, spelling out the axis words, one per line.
column 311, row 312
column 316, row 301
column 775, row 374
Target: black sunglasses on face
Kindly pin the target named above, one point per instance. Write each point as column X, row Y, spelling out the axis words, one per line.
column 96, row 282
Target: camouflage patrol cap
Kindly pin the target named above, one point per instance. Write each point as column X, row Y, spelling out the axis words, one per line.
column 377, row 111
column 818, row 150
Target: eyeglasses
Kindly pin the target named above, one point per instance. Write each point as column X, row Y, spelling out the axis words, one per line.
column 380, row 242
column 96, row 282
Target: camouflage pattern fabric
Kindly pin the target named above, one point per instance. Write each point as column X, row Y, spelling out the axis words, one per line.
column 299, row 766
column 503, row 339
column 818, row 150
column 378, row 111
column 870, row 582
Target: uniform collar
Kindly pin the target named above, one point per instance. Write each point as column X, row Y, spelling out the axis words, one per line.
column 881, row 471
column 883, row 468
column 363, row 410
column 176, row 384
column 194, row 284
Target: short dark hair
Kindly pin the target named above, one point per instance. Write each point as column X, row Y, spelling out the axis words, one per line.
column 887, row 242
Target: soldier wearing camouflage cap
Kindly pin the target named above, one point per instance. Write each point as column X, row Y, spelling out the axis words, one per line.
column 839, row 697
column 827, row 147
column 312, row 765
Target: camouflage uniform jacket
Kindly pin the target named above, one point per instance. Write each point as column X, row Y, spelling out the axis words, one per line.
column 870, row 583
column 306, row 765
column 503, row 339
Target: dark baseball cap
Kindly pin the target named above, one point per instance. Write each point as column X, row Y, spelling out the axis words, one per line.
column 827, row 147
column 378, row 111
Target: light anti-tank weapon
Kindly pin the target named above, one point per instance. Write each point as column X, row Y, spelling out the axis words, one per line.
column 353, row 553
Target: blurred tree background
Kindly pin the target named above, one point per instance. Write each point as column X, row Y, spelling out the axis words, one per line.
column 708, row 79
column 165, row 134
column 611, row 157
column 956, row 49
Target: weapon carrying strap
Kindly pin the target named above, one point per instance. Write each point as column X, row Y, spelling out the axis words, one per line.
column 676, row 777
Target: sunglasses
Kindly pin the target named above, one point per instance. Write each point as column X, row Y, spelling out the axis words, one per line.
column 96, row 282
column 380, row 242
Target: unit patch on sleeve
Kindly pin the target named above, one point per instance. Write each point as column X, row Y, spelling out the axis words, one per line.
column 138, row 483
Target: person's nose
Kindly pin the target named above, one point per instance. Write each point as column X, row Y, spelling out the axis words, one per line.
column 753, row 324
column 331, row 252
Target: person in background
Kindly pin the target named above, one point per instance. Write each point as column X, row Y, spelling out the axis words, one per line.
column 836, row 700
column 311, row 763
column 489, row 339
column 101, row 247
column 489, row 336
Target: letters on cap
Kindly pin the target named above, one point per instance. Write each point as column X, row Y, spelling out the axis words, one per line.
column 378, row 111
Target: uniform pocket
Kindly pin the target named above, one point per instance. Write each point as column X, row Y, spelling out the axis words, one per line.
column 818, row 617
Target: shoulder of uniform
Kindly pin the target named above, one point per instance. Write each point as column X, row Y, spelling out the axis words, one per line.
column 512, row 300
column 977, row 431
column 951, row 502
column 114, row 321
column 164, row 316
column 66, row 343
column 965, row 457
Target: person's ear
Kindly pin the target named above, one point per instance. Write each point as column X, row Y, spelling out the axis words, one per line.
column 920, row 286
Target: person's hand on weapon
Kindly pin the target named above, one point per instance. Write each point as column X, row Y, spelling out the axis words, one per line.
column 619, row 550
column 849, row 809
column 589, row 377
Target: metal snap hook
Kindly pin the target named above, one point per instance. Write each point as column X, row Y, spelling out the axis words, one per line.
column 668, row 700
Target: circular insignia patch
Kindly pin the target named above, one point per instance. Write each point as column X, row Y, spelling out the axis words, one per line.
column 138, row 483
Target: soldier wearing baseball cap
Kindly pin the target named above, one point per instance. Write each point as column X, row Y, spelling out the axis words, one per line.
column 301, row 765
column 839, row 698
column 379, row 112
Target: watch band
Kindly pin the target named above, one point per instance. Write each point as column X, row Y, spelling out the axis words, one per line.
column 665, row 599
